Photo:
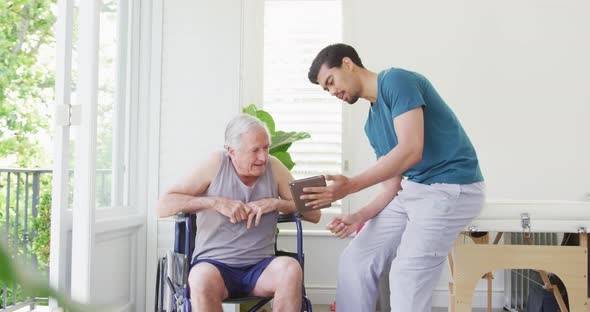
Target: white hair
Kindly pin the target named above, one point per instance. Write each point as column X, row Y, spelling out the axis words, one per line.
column 239, row 125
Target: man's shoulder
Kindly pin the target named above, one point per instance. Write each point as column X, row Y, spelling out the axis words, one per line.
column 396, row 81
column 277, row 167
column 281, row 174
column 395, row 74
column 217, row 155
column 211, row 165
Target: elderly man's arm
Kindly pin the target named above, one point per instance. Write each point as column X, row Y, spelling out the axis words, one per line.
column 185, row 195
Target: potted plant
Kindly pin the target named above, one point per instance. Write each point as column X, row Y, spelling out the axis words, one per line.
column 280, row 140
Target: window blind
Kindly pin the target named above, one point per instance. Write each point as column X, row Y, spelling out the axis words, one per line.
column 294, row 32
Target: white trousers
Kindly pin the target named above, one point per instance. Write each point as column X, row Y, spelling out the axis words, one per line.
column 410, row 239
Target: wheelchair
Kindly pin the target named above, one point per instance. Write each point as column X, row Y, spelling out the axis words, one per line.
column 172, row 289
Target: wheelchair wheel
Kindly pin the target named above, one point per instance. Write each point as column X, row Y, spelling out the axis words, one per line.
column 306, row 305
column 157, row 297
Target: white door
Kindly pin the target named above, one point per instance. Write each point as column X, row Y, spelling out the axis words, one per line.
column 60, row 212
column 103, row 224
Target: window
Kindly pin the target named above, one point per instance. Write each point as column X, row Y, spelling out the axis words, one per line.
column 112, row 150
column 294, row 32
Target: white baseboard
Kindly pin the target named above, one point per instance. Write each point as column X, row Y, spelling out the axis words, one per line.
column 321, row 294
column 228, row 307
column 128, row 307
column 440, row 298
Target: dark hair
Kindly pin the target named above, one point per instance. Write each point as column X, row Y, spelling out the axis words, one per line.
column 332, row 56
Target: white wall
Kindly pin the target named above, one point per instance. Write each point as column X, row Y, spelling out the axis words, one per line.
column 513, row 71
column 200, row 81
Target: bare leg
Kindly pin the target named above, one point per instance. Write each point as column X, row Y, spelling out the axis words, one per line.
column 281, row 278
column 207, row 288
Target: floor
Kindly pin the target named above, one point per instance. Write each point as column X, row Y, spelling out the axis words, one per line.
column 316, row 308
column 321, row 308
column 326, row 308
column 37, row 309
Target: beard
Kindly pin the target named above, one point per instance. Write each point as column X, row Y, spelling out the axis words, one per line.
column 352, row 100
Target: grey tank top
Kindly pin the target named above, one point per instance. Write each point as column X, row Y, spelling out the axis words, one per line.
column 233, row 244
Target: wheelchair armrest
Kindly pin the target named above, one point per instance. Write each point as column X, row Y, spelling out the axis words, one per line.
column 283, row 217
column 294, row 217
column 179, row 217
column 289, row 217
column 184, row 233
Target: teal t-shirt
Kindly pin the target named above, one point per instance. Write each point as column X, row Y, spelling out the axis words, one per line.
column 448, row 155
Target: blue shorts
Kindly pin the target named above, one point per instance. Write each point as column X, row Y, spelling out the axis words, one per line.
column 239, row 281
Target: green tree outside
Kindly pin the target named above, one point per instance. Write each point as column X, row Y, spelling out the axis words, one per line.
column 26, row 94
column 26, row 83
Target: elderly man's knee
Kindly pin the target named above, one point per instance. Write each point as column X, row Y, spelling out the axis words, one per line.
column 205, row 279
column 291, row 269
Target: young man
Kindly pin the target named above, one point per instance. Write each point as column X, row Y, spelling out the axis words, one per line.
column 237, row 195
column 413, row 222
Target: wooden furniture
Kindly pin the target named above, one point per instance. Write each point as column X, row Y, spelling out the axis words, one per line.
column 471, row 262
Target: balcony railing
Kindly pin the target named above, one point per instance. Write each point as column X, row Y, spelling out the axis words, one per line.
column 18, row 214
column 25, row 207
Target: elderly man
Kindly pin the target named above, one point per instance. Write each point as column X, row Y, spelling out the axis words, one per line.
column 237, row 195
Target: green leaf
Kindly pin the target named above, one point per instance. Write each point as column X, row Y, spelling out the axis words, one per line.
column 262, row 115
column 250, row 110
column 282, row 138
column 7, row 273
column 285, row 158
column 33, row 285
column 280, row 148
column 267, row 119
column 42, row 226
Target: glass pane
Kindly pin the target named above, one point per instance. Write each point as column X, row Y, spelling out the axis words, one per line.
column 73, row 100
column 111, row 105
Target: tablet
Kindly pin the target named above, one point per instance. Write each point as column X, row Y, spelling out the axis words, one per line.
column 297, row 190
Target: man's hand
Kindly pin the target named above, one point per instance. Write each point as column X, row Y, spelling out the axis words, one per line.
column 340, row 187
column 258, row 208
column 344, row 225
column 235, row 210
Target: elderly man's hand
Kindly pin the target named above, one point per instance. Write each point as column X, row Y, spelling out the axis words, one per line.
column 235, row 210
column 259, row 208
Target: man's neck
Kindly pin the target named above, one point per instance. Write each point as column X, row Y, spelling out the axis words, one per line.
column 369, row 85
column 248, row 180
